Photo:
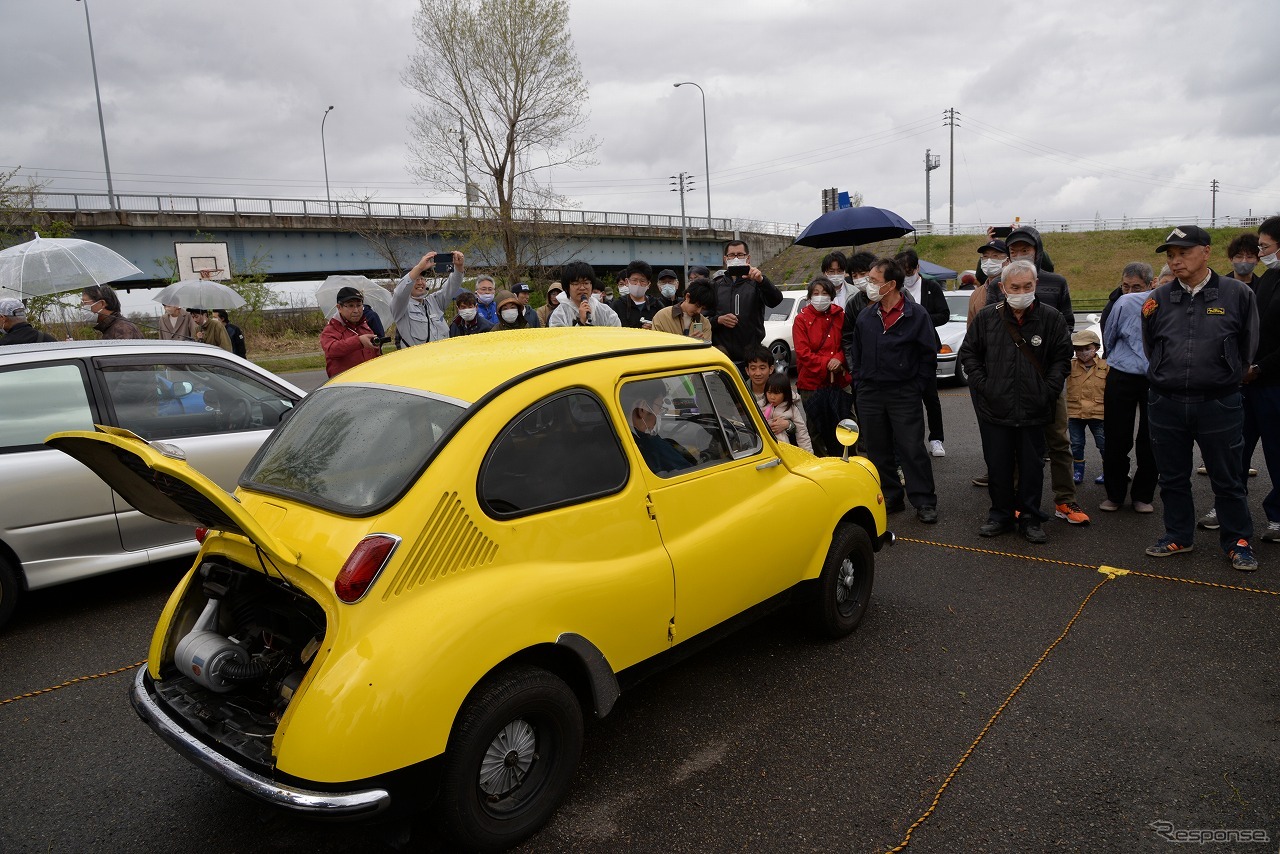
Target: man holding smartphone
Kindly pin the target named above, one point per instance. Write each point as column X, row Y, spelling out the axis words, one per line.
column 417, row 309
column 742, row 295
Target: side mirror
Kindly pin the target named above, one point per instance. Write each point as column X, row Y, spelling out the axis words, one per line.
column 847, row 433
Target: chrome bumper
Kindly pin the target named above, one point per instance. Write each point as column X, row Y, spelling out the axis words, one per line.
column 319, row 804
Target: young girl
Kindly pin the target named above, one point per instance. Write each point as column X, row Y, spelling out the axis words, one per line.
column 779, row 403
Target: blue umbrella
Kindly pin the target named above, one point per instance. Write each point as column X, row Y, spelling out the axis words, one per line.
column 852, row 226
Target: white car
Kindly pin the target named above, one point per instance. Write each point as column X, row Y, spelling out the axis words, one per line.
column 951, row 336
column 777, row 323
column 58, row 521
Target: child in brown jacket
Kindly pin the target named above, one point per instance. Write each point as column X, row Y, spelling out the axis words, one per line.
column 1085, row 386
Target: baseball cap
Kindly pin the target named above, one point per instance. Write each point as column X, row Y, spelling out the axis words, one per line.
column 521, row 288
column 348, row 293
column 1022, row 235
column 997, row 245
column 1185, row 235
column 667, row 274
column 1084, row 338
column 11, row 307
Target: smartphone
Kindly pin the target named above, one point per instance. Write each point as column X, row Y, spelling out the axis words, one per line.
column 444, row 262
column 1002, row 230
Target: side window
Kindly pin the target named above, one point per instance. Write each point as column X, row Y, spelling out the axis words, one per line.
column 177, row 400
column 560, row 451
column 683, row 422
column 41, row 400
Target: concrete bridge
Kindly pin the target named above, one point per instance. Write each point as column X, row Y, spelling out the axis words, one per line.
column 306, row 238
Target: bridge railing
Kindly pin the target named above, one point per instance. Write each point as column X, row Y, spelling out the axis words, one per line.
column 1046, row 226
column 249, row 206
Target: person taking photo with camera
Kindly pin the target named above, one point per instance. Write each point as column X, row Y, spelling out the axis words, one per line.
column 417, row 309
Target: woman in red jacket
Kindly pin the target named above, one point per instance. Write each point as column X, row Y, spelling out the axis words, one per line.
column 815, row 336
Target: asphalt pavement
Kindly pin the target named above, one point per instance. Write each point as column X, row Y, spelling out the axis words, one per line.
column 1149, row 704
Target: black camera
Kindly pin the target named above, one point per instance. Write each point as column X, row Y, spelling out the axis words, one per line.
column 378, row 342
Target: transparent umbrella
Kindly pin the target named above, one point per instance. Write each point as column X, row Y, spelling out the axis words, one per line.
column 56, row 265
column 375, row 295
column 199, row 293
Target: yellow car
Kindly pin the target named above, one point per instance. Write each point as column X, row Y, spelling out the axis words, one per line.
column 448, row 556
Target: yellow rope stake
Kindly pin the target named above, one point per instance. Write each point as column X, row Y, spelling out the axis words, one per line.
column 69, row 682
column 906, row 840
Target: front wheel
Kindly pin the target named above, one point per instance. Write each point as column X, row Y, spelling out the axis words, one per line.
column 510, row 758
column 844, row 587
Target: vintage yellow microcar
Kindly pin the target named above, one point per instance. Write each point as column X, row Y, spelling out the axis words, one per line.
column 446, row 555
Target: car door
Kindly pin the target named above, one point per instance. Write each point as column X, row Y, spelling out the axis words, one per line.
column 56, row 515
column 731, row 513
column 559, row 481
column 214, row 411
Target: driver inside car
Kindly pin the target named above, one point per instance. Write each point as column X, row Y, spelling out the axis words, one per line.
column 644, row 403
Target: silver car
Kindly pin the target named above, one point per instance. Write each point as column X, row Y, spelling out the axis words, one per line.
column 58, row 521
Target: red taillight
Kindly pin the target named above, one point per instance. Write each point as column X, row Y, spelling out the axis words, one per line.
column 361, row 569
column 201, row 533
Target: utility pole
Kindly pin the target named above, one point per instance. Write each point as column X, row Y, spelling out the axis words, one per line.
column 931, row 162
column 102, row 126
column 682, row 184
column 466, row 176
column 1213, row 189
column 951, row 119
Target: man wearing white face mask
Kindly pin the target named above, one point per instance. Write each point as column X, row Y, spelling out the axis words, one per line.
column 742, row 294
column 635, row 306
column 669, row 288
column 486, row 291
column 1017, row 354
column 835, row 268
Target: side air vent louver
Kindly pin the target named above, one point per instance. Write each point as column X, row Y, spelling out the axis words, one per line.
column 449, row 543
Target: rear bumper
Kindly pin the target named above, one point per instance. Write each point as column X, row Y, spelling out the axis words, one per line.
column 355, row 804
column 946, row 366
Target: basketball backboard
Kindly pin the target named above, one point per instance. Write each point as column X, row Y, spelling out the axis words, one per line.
column 203, row 261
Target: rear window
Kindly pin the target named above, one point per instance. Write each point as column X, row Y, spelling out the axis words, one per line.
column 350, row 448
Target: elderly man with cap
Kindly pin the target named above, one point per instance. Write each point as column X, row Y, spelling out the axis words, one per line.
column 521, row 291
column 210, row 330
column 1200, row 333
column 668, row 288
column 13, row 322
column 347, row 339
column 417, row 310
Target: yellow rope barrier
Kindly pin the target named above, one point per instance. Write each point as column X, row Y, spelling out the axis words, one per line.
column 71, row 682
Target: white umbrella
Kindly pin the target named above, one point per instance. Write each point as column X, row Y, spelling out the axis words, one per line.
column 59, row 264
column 199, row 293
column 375, row 295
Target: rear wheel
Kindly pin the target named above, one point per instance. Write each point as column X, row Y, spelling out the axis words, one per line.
column 8, row 591
column 844, row 587
column 511, row 757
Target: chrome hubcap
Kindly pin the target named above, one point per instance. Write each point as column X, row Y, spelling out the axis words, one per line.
column 508, row 759
column 844, row 582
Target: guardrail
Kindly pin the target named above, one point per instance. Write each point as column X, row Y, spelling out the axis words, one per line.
column 57, row 202
column 1046, row 226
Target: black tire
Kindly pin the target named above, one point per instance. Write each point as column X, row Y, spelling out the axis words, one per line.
column 533, row 717
column 10, row 589
column 780, row 352
column 844, row 587
column 961, row 377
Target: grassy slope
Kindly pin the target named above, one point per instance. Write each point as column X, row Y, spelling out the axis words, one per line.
column 1091, row 260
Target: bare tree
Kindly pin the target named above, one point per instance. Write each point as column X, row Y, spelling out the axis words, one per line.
column 503, row 96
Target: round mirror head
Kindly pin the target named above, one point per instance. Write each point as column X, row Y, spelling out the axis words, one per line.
column 847, row 432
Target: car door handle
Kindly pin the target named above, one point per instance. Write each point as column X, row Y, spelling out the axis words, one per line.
column 776, row 461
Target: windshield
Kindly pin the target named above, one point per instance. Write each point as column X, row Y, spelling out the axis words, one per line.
column 782, row 310
column 352, row 448
column 958, row 304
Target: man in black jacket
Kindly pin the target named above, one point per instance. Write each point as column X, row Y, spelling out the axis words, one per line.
column 1200, row 332
column 1052, row 290
column 1262, row 380
column 636, row 307
column 742, row 295
column 13, row 322
column 1017, row 354
column 928, row 293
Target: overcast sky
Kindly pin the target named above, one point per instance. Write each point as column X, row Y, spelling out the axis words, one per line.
column 1067, row 110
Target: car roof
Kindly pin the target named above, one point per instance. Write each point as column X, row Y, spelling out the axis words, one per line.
column 71, row 349
column 468, row 367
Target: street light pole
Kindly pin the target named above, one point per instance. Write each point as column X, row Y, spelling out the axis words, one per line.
column 328, row 202
column 706, row 149
column 102, row 127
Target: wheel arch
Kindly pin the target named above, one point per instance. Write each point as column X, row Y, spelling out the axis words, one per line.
column 577, row 661
column 8, row 555
column 861, row 516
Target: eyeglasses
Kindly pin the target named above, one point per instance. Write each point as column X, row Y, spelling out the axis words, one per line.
column 736, row 254
column 1266, row 249
column 638, row 282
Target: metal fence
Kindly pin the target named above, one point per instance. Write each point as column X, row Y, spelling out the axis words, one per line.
column 57, row 202
column 1126, row 223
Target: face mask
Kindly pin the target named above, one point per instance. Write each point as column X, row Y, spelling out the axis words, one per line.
column 821, row 302
column 873, row 292
column 86, row 314
column 484, row 299
column 510, row 314
column 637, row 291
column 1020, row 302
column 738, row 263
column 861, row 283
column 992, row 266
column 1271, row 262
column 1243, row 268
column 912, row 281
column 837, row 279
column 668, row 291
column 467, row 314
